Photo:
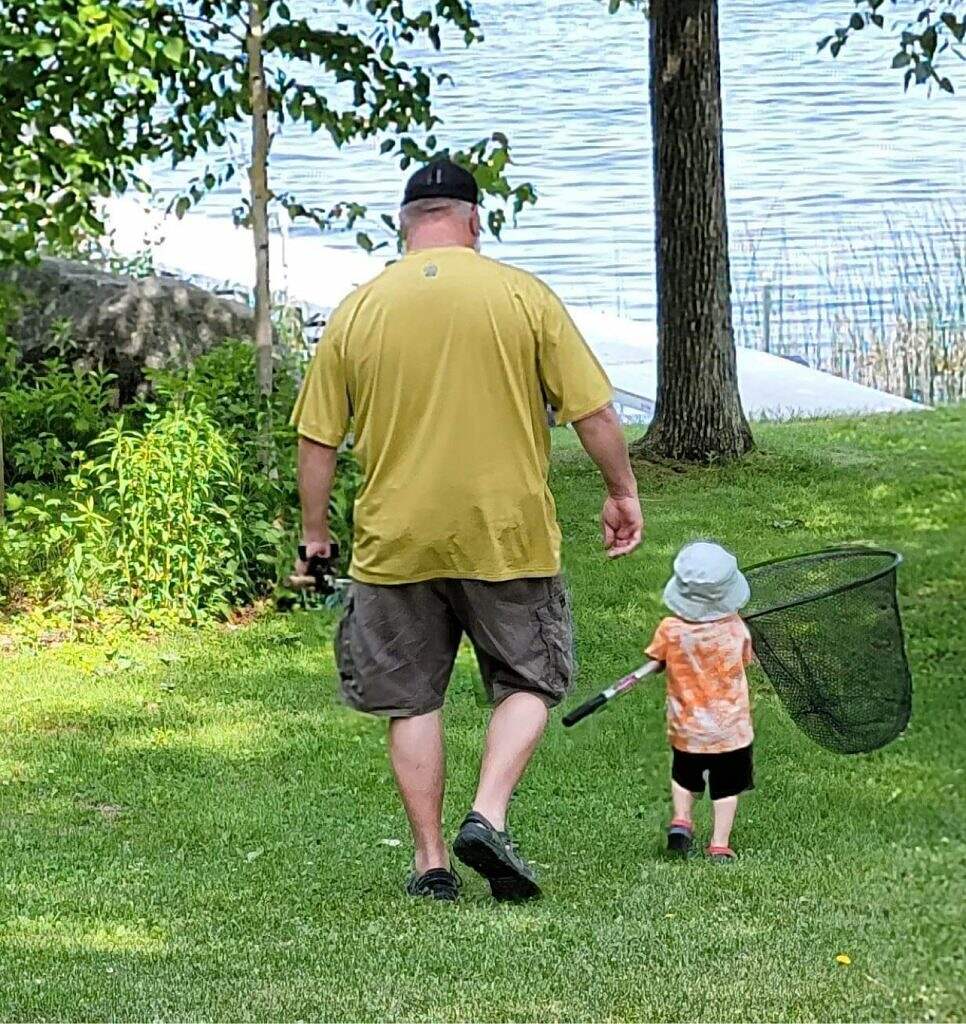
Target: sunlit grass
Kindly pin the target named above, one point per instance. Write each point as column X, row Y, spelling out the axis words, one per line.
column 192, row 827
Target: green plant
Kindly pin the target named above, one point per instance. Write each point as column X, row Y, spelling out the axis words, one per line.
column 936, row 28
column 161, row 516
column 47, row 412
column 34, row 546
column 161, row 511
column 223, row 379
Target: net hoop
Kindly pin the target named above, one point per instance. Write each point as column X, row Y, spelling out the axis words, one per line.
column 839, row 552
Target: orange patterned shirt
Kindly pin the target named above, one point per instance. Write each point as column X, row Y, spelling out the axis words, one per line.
column 708, row 710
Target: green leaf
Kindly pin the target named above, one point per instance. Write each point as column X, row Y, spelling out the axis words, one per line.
column 958, row 28
column 99, row 33
column 123, row 48
column 929, row 41
column 91, row 12
column 174, row 50
column 387, row 146
column 946, row 85
column 857, row 22
column 901, row 60
column 364, row 241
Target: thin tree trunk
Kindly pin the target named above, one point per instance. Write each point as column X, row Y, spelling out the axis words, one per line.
column 698, row 415
column 258, row 179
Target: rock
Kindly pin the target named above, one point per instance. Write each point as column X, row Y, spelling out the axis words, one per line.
column 122, row 324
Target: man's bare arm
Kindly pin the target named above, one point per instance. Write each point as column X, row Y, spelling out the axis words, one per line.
column 603, row 440
column 622, row 520
column 316, row 472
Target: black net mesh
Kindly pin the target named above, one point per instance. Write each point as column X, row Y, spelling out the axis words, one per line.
column 827, row 631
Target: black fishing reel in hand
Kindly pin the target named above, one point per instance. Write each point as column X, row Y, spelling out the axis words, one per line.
column 321, row 572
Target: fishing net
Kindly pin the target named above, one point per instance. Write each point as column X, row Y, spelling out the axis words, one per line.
column 827, row 632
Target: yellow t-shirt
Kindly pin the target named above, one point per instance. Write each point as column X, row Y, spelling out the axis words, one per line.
column 445, row 363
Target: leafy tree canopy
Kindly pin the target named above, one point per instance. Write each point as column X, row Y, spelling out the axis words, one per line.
column 95, row 91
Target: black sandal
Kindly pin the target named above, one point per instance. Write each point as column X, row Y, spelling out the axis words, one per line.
column 437, row 884
column 494, row 855
column 680, row 837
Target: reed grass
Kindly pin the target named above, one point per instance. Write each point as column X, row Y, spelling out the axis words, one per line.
column 897, row 316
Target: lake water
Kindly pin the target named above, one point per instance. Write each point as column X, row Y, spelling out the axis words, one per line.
column 837, row 180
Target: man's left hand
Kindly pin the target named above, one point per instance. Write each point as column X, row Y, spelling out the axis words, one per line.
column 623, row 525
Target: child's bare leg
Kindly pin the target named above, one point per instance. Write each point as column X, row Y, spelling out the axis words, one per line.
column 724, row 818
column 682, row 801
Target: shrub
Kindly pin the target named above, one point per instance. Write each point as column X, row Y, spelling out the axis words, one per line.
column 48, row 412
column 157, row 520
column 168, row 511
column 224, row 379
column 34, row 547
column 163, row 515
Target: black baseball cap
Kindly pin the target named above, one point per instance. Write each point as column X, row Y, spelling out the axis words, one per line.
column 442, row 179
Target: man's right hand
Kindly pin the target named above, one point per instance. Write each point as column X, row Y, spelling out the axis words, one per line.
column 322, row 547
column 622, row 522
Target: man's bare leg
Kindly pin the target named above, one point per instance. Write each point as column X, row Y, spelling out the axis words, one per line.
column 515, row 729
column 418, row 761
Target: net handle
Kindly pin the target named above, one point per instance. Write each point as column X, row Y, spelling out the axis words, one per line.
column 841, row 552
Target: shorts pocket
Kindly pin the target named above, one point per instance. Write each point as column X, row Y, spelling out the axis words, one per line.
column 555, row 635
column 343, row 651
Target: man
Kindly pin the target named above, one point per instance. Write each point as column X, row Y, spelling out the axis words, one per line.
column 445, row 364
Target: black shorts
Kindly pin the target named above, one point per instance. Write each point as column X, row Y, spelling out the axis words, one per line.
column 729, row 774
column 396, row 645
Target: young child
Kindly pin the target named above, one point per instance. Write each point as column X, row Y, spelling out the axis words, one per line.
column 705, row 647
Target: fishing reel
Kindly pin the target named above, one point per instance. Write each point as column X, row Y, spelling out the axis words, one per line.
column 322, row 573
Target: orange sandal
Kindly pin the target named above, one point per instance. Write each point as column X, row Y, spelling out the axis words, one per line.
column 722, row 854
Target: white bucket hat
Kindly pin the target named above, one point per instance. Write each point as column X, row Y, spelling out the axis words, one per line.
column 706, row 584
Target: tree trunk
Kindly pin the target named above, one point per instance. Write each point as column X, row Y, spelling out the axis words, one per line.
column 258, row 180
column 698, row 415
column 3, row 476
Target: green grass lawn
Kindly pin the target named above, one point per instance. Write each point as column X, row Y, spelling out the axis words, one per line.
column 193, row 828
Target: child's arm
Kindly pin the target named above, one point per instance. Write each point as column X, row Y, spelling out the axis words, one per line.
column 748, row 655
column 657, row 648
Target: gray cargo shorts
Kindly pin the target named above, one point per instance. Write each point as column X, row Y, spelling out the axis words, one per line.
column 396, row 645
